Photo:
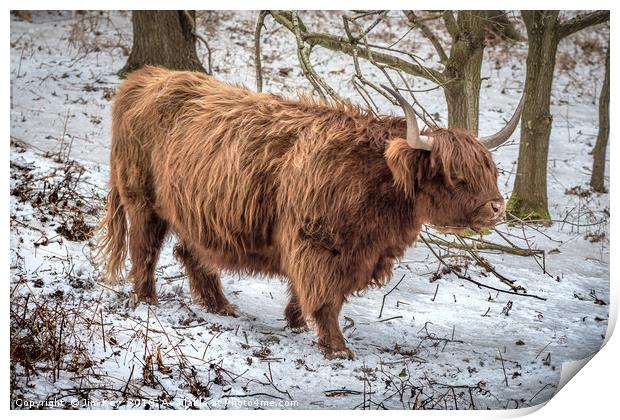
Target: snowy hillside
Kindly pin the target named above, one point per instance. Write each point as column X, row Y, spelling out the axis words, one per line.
column 430, row 339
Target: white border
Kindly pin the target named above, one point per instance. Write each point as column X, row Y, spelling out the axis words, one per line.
column 592, row 394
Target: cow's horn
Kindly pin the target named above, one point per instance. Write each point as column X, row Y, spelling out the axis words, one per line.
column 504, row 134
column 414, row 139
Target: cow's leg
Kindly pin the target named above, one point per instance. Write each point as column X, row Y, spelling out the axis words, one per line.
column 204, row 282
column 294, row 317
column 146, row 236
column 324, row 308
column 316, row 277
column 331, row 340
column 320, row 295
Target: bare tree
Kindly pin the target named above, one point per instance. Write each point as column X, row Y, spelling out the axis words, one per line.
column 544, row 31
column 163, row 38
column 460, row 78
column 597, row 182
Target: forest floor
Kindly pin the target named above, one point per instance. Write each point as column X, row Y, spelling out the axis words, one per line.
column 428, row 339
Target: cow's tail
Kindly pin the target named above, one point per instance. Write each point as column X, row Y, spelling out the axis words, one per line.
column 112, row 245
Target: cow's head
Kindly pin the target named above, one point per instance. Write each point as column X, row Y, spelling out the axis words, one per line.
column 450, row 173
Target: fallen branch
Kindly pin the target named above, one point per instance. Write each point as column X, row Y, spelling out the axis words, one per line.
column 477, row 283
column 488, row 246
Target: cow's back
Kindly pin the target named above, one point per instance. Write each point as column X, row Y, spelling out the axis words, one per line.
column 214, row 178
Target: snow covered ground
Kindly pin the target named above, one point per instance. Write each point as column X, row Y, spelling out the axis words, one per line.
column 435, row 341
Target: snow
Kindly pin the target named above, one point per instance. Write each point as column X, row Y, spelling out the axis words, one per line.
column 442, row 343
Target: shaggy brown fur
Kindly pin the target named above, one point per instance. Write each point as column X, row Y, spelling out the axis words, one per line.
column 326, row 196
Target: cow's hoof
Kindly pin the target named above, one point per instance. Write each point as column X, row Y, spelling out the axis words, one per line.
column 148, row 299
column 299, row 329
column 338, row 354
column 228, row 310
column 297, row 325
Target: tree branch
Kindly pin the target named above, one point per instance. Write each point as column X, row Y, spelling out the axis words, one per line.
column 257, row 54
column 469, row 279
column 304, row 60
column 523, row 252
column 583, row 21
column 415, row 21
column 500, row 25
column 341, row 44
column 451, row 25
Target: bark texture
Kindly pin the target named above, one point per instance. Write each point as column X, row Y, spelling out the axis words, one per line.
column 163, row 38
column 597, row 182
column 462, row 91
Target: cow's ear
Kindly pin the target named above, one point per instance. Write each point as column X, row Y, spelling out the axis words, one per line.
column 399, row 158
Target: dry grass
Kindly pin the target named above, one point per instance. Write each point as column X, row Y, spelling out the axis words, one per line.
column 60, row 196
column 88, row 33
column 47, row 338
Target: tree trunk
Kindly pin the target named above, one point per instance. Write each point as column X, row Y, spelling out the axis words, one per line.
column 598, row 167
column 462, row 92
column 463, row 96
column 163, row 38
column 529, row 196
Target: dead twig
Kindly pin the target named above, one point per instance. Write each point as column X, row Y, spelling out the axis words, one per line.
column 388, row 293
column 477, row 283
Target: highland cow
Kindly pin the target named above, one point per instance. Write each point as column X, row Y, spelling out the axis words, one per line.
column 324, row 195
